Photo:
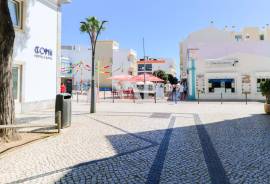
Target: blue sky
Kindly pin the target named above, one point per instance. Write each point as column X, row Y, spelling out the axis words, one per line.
column 163, row 23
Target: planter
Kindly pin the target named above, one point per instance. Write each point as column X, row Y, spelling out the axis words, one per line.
column 267, row 108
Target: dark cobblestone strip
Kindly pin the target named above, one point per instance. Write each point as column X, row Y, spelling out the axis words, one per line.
column 157, row 166
column 214, row 165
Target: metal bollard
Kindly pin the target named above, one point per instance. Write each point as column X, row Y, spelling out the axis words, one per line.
column 133, row 97
column 198, row 97
column 221, row 99
column 77, row 97
column 155, row 97
column 113, row 96
column 58, row 120
column 246, row 99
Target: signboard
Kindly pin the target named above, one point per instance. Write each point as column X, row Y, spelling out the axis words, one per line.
column 43, row 53
column 200, row 84
column 246, row 84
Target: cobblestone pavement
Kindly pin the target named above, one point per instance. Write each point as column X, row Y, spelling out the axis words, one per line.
column 149, row 143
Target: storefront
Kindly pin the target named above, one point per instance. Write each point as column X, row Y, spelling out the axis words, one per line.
column 231, row 80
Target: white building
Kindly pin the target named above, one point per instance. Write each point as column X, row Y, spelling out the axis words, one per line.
column 36, row 52
column 110, row 61
column 79, row 57
column 226, row 62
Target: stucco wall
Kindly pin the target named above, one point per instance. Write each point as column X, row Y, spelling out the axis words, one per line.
column 40, row 29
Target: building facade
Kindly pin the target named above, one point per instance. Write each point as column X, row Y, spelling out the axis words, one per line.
column 226, row 63
column 36, row 52
column 110, row 61
column 151, row 65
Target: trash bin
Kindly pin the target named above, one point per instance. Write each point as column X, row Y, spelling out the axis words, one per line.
column 63, row 104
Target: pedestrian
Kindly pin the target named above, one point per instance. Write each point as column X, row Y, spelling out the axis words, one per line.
column 63, row 88
column 178, row 91
column 185, row 91
column 174, row 95
column 181, row 91
column 168, row 90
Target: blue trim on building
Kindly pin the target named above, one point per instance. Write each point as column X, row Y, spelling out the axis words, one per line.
column 193, row 80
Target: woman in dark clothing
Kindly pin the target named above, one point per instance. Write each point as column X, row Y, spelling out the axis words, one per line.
column 174, row 93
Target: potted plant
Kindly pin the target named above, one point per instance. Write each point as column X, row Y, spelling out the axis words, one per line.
column 265, row 89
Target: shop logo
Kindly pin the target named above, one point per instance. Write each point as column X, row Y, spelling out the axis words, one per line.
column 43, row 53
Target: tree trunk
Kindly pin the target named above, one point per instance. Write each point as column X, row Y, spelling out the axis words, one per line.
column 7, row 36
column 93, row 90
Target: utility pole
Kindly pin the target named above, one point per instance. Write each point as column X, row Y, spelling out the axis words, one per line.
column 81, row 67
column 144, row 58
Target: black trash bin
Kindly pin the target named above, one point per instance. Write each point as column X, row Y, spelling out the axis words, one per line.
column 63, row 104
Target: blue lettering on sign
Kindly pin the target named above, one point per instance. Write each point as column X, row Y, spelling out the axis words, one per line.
column 42, row 52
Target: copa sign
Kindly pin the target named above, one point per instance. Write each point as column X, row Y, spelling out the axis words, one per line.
column 43, row 53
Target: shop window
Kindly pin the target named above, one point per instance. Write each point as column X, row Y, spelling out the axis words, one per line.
column 16, row 9
column 259, row 81
column 148, row 67
column 221, row 86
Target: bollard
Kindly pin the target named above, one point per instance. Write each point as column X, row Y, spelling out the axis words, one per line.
column 113, row 96
column 77, row 97
column 246, row 99
column 155, row 96
column 58, row 120
column 198, row 97
column 133, row 97
column 221, row 98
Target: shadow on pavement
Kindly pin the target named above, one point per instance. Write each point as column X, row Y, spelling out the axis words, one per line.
column 230, row 151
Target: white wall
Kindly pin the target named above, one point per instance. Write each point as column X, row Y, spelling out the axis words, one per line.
column 121, row 60
column 40, row 29
column 256, row 66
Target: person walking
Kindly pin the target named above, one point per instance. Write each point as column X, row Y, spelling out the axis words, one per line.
column 181, row 91
column 63, row 88
column 185, row 91
column 174, row 95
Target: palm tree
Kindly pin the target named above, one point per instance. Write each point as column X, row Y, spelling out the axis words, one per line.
column 92, row 26
column 7, row 36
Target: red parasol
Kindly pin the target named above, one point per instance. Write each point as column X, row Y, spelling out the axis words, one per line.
column 120, row 77
column 148, row 77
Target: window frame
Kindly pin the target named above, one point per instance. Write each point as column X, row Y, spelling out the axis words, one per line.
column 20, row 13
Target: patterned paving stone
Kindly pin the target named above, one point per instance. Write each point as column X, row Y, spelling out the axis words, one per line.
column 149, row 143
